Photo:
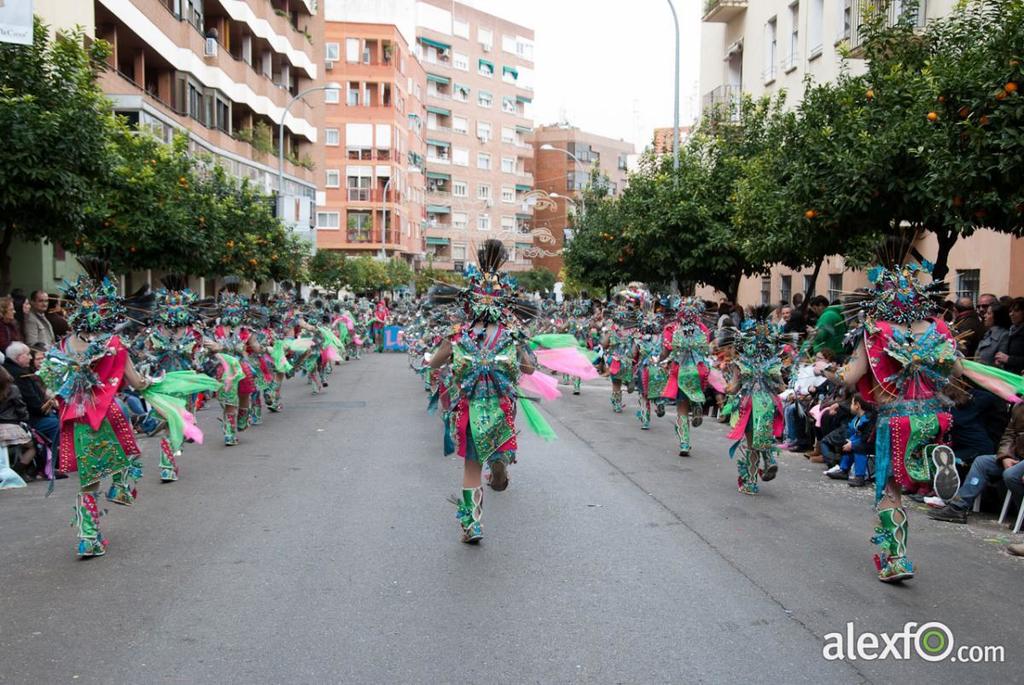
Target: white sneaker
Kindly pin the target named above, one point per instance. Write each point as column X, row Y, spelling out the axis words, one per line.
column 935, row 502
column 834, row 469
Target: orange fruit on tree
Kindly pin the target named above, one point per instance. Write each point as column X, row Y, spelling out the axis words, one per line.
column 810, row 214
column 933, row 116
column 942, row 98
column 964, row 112
column 1010, row 87
column 983, row 121
column 1000, row 95
column 870, row 94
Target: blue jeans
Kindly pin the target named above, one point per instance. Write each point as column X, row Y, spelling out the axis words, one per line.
column 795, row 425
column 859, row 461
column 984, row 469
column 133, row 407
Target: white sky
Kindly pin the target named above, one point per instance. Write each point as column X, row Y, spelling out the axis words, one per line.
column 607, row 66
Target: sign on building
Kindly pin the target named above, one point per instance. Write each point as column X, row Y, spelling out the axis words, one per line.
column 16, row 22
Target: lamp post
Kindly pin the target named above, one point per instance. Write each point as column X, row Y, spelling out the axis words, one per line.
column 550, row 147
column 675, row 121
column 280, row 138
column 384, row 220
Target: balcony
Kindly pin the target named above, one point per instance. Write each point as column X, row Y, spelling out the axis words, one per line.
column 915, row 12
column 371, row 195
column 723, row 11
column 725, row 98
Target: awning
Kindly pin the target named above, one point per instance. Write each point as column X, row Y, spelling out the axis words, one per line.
column 510, row 70
column 413, row 115
column 485, row 63
column 523, row 188
column 438, row 79
column 436, row 241
column 523, row 98
column 520, row 215
column 522, row 246
column 435, row 43
column 439, row 176
column 523, row 129
column 438, row 209
column 439, row 110
column 441, row 143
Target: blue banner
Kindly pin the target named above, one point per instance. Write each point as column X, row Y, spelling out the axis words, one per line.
column 394, row 339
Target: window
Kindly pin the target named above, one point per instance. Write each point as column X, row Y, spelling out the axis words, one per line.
column 575, row 181
column 460, row 93
column 766, row 290
column 358, row 182
column 484, row 99
column 508, row 135
column 483, row 191
column 508, row 165
column 333, row 178
column 794, row 35
column 460, row 189
column 458, row 252
column 835, row 287
column 485, row 68
column 815, row 28
column 460, row 156
column 483, row 161
column 460, row 125
column 483, row 130
column 508, row 194
column 352, row 51
column 460, row 61
column 508, row 104
column 332, row 96
column 331, row 136
column 332, row 52
column 485, row 37
column 459, row 220
column 359, row 225
column 968, row 283
column 460, row 28
column 845, row 19
column 808, row 286
column 786, row 289
column 771, row 49
column 483, row 222
column 328, row 220
column 508, row 224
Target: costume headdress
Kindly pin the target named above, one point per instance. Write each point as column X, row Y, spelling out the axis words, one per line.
column 233, row 308
column 176, row 307
column 690, row 310
column 488, row 294
column 898, row 295
column 98, row 307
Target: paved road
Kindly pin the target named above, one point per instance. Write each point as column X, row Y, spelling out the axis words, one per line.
column 322, row 550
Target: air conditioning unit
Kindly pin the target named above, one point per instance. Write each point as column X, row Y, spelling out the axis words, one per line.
column 486, row 47
column 329, row 66
column 488, row 204
column 210, row 47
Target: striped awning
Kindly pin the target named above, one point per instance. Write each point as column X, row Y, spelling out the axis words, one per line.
column 439, row 110
column 510, row 70
column 439, row 176
column 523, row 188
column 523, row 129
column 439, row 143
column 524, row 246
column 523, row 98
column 436, row 241
column 436, row 78
column 438, row 209
column 434, row 43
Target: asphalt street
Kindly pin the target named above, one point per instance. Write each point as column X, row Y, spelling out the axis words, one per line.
column 323, row 550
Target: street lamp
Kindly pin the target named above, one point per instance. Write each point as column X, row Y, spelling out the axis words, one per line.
column 550, row 147
column 675, row 123
column 280, row 136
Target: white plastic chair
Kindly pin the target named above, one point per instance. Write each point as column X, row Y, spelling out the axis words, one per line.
column 1006, row 508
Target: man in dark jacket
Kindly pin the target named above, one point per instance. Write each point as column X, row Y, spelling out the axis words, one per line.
column 1011, row 357
column 1008, row 462
column 969, row 326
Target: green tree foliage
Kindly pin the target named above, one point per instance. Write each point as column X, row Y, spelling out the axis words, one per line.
column 55, row 123
column 597, row 254
column 536, row 280
column 327, row 270
column 398, row 273
column 365, row 274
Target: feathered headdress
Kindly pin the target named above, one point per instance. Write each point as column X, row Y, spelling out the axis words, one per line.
column 489, row 294
column 98, row 307
column 176, row 307
column 233, row 308
column 898, row 295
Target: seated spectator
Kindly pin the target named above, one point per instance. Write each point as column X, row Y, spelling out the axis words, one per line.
column 1011, row 357
column 830, row 327
column 997, row 328
column 1008, row 462
column 860, row 437
column 57, row 318
column 969, row 435
column 14, row 428
column 41, row 408
column 968, row 325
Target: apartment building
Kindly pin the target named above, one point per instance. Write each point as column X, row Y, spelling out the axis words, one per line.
column 476, row 97
column 663, row 140
column 374, row 145
column 768, row 46
column 563, row 159
column 221, row 71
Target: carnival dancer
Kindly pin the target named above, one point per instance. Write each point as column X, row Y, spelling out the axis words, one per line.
column 490, row 361
column 174, row 344
column 231, row 343
column 381, row 314
column 651, row 376
column 686, row 347
column 618, row 345
column 905, row 356
column 758, row 347
column 86, row 371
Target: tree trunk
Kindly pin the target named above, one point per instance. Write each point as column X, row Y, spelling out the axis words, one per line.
column 733, row 291
column 5, row 258
column 810, row 293
column 947, row 239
